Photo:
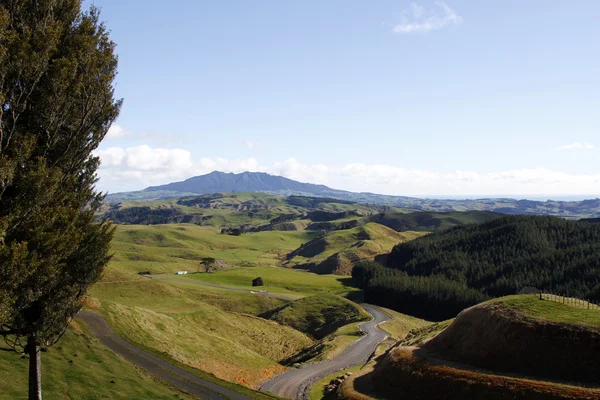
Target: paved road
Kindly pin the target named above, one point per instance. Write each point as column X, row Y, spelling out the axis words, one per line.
column 295, row 384
column 177, row 377
column 195, row 282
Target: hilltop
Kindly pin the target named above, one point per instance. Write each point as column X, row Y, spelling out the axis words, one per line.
column 261, row 182
column 514, row 347
column 338, row 251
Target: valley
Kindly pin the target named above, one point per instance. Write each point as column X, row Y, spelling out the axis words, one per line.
column 200, row 328
column 299, row 200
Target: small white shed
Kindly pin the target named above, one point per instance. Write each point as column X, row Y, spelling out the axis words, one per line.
column 181, row 273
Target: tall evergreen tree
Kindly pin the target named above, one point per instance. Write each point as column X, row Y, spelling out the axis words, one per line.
column 57, row 67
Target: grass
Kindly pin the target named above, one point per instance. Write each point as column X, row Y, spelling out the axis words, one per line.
column 531, row 306
column 175, row 297
column 318, row 315
column 317, row 392
column 80, row 367
column 226, row 210
column 418, row 336
column 401, row 324
column 174, row 247
column 276, row 280
column 349, row 245
column 206, row 328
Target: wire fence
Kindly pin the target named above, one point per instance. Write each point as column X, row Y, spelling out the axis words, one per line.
column 570, row 301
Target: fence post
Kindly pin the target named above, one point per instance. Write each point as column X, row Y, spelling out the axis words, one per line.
column 540, row 295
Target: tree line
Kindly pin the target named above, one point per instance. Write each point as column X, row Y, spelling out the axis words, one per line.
column 440, row 274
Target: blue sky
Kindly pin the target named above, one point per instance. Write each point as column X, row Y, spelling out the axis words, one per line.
column 409, row 98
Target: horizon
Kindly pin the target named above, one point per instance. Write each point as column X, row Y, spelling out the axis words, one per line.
column 434, row 197
column 399, row 98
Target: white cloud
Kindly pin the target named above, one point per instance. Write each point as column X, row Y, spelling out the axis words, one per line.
column 577, row 146
column 116, row 131
column 145, row 158
column 134, row 168
column 416, row 19
column 251, row 144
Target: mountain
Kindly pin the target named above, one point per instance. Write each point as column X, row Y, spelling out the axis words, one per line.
column 216, row 181
column 245, row 182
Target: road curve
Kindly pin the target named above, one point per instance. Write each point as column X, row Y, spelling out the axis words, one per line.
column 193, row 282
column 296, row 383
column 177, row 377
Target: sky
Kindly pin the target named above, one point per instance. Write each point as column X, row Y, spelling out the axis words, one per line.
column 430, row 98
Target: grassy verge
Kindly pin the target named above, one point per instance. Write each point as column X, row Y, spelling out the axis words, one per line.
column 401, row 324
column 531, row 306
column 80, row 367
column 418, row 336
column 317, row 392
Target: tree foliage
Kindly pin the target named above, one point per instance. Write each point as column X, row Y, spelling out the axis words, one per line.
column 208, row 263
column 57, row 67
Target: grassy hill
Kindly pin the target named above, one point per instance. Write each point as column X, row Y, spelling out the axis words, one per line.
column 485, row 350
column 205, row 328
column 247, row 210
column 318, row 315
column 338, row 251
column 80, row 367
column 174, row 247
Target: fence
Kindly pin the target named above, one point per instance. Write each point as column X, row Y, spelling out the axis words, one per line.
column 570, row 301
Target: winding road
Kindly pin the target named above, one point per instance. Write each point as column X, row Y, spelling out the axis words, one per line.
column 175, row 376
column 296, row 384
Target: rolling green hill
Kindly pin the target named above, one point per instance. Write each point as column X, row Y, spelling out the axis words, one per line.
column 247, row 211
column 318, row 315
column 338, row 251
column 209, row 329
column 174, row 247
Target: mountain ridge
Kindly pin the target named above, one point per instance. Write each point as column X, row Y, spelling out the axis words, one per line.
column 220, row 182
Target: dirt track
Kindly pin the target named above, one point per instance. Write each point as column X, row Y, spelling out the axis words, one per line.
column 177, row 377
column 296, row 384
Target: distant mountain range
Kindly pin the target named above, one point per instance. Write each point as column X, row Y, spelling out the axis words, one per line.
column 261, row 182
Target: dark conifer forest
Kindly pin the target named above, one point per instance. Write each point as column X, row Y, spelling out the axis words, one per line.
column 440, row 274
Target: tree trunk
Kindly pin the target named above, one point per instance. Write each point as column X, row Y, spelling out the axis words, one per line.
column 35, row 370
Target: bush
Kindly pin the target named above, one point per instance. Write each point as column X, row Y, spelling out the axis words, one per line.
column 257, row 282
